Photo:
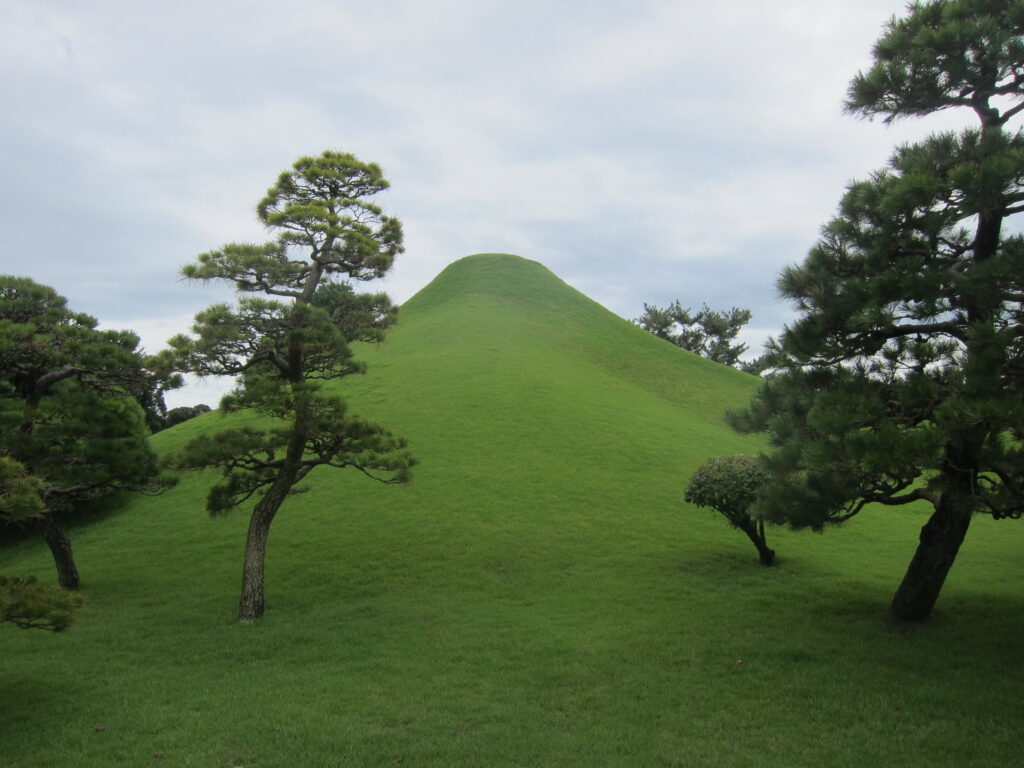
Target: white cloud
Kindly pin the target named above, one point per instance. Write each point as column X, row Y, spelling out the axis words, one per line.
column 695, row 142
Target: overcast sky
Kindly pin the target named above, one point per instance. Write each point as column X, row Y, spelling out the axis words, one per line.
column 643, row 151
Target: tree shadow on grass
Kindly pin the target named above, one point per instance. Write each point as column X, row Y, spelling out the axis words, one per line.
column 804, row 596
column 84, row 516
column 28, row 703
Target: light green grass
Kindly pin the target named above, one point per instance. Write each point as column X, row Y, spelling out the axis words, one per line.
column 538, row 596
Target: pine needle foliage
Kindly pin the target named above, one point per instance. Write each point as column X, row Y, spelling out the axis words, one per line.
column 23, row 601
column 69, row 409
column 708, row 333
column 284, row 345
column 28, row 604
column 902, row 379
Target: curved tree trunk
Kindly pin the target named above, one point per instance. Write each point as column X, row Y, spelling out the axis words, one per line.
column 940, row 541
column 63, row 558
column 251, row 604
column 755, row 532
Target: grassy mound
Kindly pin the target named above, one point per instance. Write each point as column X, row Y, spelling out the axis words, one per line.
column 539, row 595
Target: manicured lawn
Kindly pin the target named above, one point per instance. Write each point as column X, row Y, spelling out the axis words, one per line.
column 539, row 595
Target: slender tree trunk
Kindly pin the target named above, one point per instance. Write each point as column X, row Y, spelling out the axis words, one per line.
column 755, row 532
column 63, row 558
column 940, row 541
column 251, row 604
column 767, row 555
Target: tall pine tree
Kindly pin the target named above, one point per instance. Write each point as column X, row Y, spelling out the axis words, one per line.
column 902, row 381
column 284, row 345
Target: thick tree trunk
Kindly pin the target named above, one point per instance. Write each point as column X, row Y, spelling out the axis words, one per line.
column 63, row 558
column 939, row 543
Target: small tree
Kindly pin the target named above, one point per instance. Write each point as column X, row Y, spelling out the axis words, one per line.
column 901, row 381
column 728, row 485
column 708, row 333
column 284, row 348
column 68, row 409
column 23, row 602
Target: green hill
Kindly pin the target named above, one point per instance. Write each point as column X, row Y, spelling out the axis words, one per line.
column 539, row 595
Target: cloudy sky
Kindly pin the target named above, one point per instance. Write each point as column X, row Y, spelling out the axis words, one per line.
column 644, row 151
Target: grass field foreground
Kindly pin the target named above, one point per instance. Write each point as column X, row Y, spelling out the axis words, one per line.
column 538, row 595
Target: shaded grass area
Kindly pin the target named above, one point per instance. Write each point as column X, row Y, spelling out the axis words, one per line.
column 538, row 596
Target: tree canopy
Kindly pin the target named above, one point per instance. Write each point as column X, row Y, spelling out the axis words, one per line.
column 729, row 485
column 68, row 407
column 901, row 380
column 285, row 345
column 707, row 333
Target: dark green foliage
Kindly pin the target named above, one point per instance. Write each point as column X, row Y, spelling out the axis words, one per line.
column 708, row 333
column 943, row 55
column 68, row 406
column 184, row 413
column 902, row 379
column 358, row 316
column 282, row 351
column 246, row 456
column 21, row 497
column 30, row 605
column 759, row 366
column 24, row 602
column 84, row 444
column 729, row 485
column 67, row 410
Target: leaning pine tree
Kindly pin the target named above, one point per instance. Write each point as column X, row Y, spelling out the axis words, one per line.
column 902, row 381
column 285, row 345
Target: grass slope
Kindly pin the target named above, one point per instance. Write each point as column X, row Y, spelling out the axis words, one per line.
column 538, row 595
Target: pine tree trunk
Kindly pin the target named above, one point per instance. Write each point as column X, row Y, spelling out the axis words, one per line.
column 940, row 541
column 251, row 604
column 63, row 558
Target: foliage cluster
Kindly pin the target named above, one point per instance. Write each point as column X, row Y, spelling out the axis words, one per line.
column 28, row 604
column 708, row 333
column 175, row 416
column 901, row 380
column 729, row 485
column 23, row 601
column 69, row 410
column 284, row 345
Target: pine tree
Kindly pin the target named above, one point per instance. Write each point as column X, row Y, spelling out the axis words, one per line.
column 284, row 347
column 68, row 407
column 902, row 379
column 706, row 332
